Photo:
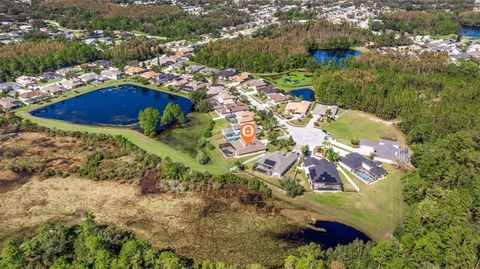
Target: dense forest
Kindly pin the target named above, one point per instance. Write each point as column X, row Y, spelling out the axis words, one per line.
column 469, row 18
column 285, row 47
column 167, row 21
column 419, row 22
column 33, row 57
column 276, row 48
column 438, row 105
column 132, row 50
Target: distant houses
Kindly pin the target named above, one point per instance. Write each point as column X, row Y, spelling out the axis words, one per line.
column 9, row 103
column 276, row 164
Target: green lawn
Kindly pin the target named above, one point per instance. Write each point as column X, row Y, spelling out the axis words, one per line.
column 291, row 80
column 151, row 145
column 357, row 125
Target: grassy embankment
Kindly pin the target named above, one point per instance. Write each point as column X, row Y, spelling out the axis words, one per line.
column 217, row 164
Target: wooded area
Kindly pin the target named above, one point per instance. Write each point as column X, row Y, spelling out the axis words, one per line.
column 419, row 22
column 33, row 57
column 439, row 107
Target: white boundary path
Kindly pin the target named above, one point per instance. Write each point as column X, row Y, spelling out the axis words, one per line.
column 348, row 178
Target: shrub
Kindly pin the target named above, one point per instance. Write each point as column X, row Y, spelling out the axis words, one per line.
column 292, row 187
column 202, row 158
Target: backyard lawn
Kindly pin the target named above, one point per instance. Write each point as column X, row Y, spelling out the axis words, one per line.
column 359, row 125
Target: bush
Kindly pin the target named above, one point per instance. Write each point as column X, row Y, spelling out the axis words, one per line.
column 202, row 158
column 355, row 142
column 292, row 187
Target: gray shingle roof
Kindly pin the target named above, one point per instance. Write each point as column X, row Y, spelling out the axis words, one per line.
column 322, row 171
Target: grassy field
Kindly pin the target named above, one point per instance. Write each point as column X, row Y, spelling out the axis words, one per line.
column 359, row 125
column 291, row 80
column 150, row 145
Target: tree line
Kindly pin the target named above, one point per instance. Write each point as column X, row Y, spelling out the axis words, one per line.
column 285, row 47
column 162, row 20
column 438, row 106
column 438, row 22
column 33, row 57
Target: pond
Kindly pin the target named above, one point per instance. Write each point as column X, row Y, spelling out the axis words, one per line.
column 116, row 105
column 336, row 55
column 328, row 234
column 470, row 31
column 306, row 93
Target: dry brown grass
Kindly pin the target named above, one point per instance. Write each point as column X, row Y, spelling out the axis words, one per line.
column 222, row 229
column 229, row 224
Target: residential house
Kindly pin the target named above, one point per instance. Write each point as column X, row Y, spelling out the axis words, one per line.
column 30, row 97
column 49, row 76
column 27, row 81
column 244, row 116
column 9, row 86
column 322, row 175
column 150, row 75
column 194, row 85
column 276, row 164
column 72, row 83
column 8, row 103
column 321, row 110
column 227, row 73
column 112, row 74
column 278, row 98
column 194, row 68
column 242, row 149
column 242, row 77
column 89, row 77
column 52, row 89
column 231, row 133
column 135, row 70
column 225, row 98
column 267, row 89
column 209, row 71
column 68, row 71
column 165, row 78
column 365, row 169
column 385, row 151
column 299, row 108
column 254, row 84
column 214, row 90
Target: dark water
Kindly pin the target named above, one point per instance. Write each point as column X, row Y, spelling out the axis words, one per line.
column 470, row 31
column 111, row 106
column 308, row 94
column 336, row 55
column 328, row 234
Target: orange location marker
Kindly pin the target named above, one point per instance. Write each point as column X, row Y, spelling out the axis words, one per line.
column 248, row 132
